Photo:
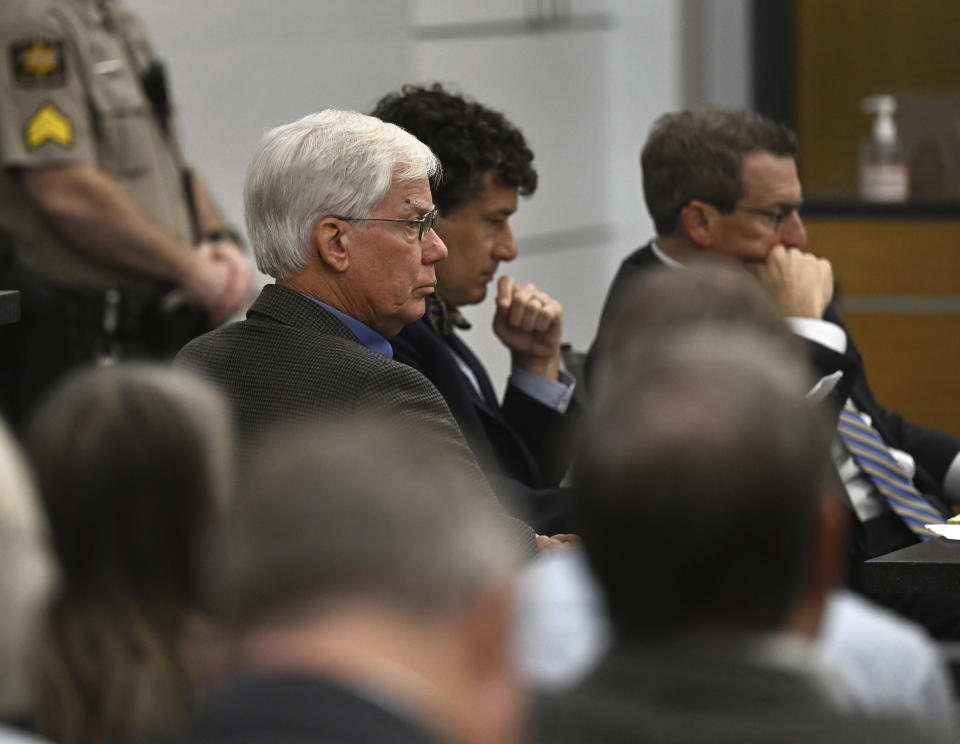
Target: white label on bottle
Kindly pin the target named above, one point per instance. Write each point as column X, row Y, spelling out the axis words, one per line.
column 884, row 182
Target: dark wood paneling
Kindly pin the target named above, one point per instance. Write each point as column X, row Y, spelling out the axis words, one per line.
column 913, row 363
column 913, row 358
column 890, row 257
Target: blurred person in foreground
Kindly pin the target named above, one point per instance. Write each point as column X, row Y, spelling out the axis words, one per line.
column 339, row 211
column 525, row 443
column 708, row 468
column 882, row 663
column 110, row 236
column 132, row 463
column 27, row 576
column 370, row 601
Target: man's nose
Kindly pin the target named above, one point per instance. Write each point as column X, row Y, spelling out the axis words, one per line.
column 434, row 249
column 505, row 249
column 793, row 233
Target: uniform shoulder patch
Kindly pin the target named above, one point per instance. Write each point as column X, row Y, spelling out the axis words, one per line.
column 38, row 62
column 48, row 124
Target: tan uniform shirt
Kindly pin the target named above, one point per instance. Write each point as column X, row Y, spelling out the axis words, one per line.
column 70, row 91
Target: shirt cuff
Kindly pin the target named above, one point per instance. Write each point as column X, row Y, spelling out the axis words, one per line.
column 951, row 481
column 820, row 332
column 825, row 385
column 555, row 394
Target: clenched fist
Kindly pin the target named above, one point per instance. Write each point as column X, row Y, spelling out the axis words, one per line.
column 530, row 323
column 802, row 282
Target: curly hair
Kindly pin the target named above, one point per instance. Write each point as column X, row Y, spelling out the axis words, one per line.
column 469, row 139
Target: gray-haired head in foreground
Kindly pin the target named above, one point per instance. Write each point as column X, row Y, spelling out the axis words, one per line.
column 331, row 162
column 700, row 482
column 360, row 510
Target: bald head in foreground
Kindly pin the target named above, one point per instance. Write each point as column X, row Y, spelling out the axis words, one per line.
column 708, row 468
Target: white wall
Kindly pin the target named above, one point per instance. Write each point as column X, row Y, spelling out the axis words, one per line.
column 718, row 59
column 239, row 67
column 584, row 98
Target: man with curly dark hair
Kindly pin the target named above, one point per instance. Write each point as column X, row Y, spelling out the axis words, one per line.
column 524, row 442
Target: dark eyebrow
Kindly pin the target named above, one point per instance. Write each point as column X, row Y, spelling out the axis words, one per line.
column 787, row 206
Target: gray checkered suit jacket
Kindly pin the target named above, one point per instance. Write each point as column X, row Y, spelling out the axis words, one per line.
column 291, row 360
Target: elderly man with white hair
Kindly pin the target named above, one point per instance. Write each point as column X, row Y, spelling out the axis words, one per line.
column 339, row 211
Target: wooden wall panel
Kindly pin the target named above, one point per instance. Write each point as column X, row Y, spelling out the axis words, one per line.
column 910, row 257
column 913, row 364
column 912, row 354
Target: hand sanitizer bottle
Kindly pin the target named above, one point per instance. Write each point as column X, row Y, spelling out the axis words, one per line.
column 884, row 175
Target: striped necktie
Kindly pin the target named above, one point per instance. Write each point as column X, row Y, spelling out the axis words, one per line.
column 874, row 458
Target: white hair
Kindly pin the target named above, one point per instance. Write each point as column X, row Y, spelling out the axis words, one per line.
column 328, row 163
column 27, row 575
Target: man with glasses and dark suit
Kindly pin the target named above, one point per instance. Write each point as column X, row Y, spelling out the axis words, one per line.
column 723, row 184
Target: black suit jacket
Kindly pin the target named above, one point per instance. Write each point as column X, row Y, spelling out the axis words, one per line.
column 932, row 450
column 717, row 691
column 824, row 360
column 523, row 446
column 295, row 709
column 293, row 360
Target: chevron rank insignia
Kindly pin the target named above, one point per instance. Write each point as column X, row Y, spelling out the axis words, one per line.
column 48, row 125
column 38, row 62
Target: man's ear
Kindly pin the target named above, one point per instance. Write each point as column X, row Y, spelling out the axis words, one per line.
column 489, row 624
column 833, row 522
column 696, row 218
column 827, row 559
column 332, row 243
column 498, row 705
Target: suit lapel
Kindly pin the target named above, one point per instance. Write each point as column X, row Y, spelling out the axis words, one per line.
column 487, row 408
column 647, row 257
column 488, row 394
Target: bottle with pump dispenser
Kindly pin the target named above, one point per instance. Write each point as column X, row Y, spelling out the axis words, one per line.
column 884, row 174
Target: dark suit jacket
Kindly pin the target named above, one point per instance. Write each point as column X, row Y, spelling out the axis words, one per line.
column 932, row 450
column 523, row 446
column 711, row 692
column 643, row 260
column 294, row 709
column 292, row 360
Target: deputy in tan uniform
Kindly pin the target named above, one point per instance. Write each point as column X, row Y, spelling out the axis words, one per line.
column 113, row 241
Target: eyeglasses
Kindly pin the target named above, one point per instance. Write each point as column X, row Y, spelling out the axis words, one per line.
column 778, row 217
column 424, row 225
